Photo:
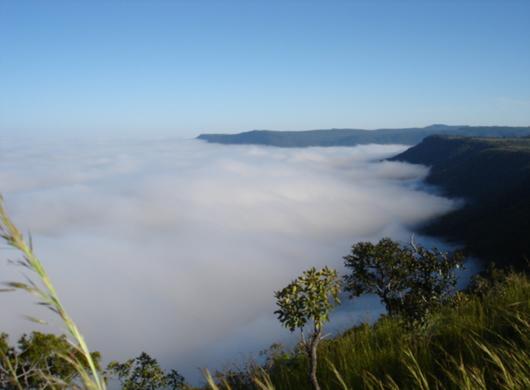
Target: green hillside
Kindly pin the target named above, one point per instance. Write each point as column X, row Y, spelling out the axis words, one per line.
column 349, row 137
column 493, row 176
column 482, row 341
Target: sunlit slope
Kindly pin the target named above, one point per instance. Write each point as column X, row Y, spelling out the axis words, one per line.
column 480, row 342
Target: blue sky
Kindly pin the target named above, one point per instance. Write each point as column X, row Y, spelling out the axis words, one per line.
column 184, row 67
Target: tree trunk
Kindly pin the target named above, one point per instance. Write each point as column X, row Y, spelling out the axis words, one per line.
column 388, row 305
column 315, row 339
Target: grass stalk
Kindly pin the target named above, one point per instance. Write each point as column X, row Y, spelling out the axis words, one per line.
column 49, row 297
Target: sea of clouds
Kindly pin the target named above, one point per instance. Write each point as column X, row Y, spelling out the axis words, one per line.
column 175, row 247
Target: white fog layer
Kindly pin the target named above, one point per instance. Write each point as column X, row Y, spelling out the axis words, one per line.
column 175, row 247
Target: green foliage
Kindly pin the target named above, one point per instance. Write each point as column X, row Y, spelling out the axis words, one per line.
column 380, row 269
column 144, row 373
column 309, row 298
column 43, row 288
column 411, row 281
column 483, row 342
column 37, row 362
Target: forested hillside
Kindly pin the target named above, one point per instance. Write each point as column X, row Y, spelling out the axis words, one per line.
column 493, row 176
column 349, row 137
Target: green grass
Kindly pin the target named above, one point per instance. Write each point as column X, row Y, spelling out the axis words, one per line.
column 483, row 342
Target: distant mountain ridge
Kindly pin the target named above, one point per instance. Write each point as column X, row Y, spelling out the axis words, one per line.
column 493, row 176
column 350, row 137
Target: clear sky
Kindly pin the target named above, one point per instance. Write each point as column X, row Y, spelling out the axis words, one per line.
column 184, row 67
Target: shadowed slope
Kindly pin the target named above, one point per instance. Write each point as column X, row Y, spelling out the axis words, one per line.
column 493, row 176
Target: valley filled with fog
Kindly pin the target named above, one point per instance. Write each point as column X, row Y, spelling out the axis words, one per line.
column 175, row 247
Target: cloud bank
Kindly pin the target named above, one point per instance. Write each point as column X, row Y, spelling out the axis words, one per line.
column 175, row 247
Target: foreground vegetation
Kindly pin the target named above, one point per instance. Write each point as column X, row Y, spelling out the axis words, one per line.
column 480, row 341
column 431, row 339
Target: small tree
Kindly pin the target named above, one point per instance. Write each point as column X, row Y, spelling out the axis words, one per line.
column 380, row 269
column 432, row 281
column 144, row 373
column 309, row 300
column 411, row 281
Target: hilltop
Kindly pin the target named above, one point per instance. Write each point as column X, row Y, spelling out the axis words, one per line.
column 350, row 137
column 492, row 175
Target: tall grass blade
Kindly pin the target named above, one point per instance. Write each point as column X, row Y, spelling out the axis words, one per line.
column 48, row 296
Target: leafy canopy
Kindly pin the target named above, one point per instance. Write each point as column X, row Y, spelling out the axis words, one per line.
column 308, row 298
column 39, row 361
column 410, row 280
column 144, row 373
